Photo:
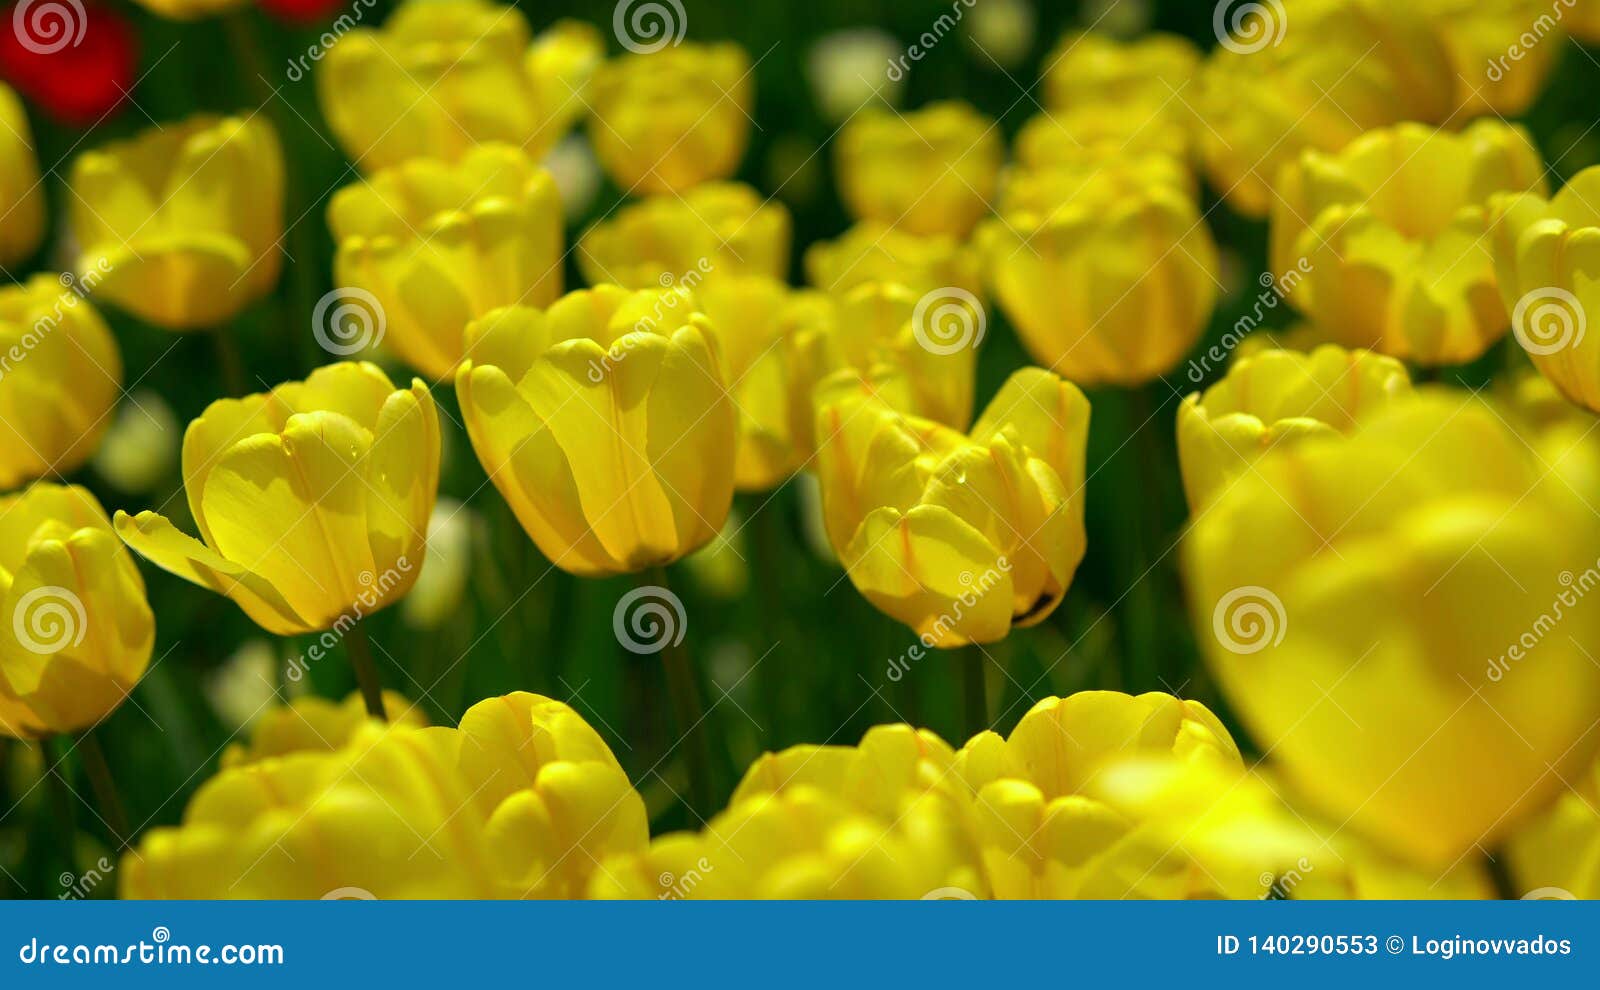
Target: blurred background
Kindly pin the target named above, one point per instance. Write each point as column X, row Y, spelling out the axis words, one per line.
column 786, row 649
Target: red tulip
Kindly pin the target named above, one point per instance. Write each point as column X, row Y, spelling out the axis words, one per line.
column 75, row 60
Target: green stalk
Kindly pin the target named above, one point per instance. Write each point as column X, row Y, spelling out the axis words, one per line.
column 974, row 689
column 360, row 651
column 105, row 786
column 687, row 710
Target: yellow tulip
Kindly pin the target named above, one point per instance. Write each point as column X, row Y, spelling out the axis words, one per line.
column 605, row 423
column 21, row 194
column 60, row 376
column 1557, row 855
column 1132, row 89
column 1046, row 832
column 520, row 801
column 1581, row 18
column 1110, row 276
column 439, row 78
column 181, row 225
column 668, row 120
column 1277, row 397
column 717, row 229
column 1314, row 75
column 1392, row 611
column 438, row 245
column 931, row 171
column 386, row 816
column 312, row 499
column 556, row 800
column 1481, row 35
column 189, row 10
column 313, row 724
column 873, row 252
column 1391, row 235
column 1091, row 136
column 77, row 631
column 872, row 776
column 1547, row 259
column 877, row 332
column 958, row 536
column 804, row 843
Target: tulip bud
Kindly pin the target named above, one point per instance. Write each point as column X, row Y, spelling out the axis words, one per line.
column 75, row 629
column 439, row 78
column 439, row 244
column 1432, row 557
column 21, row 195
column 181, row 224
column 60, row 375
column 1286, row 87
column 1109, row 277
column 1480, row 37
column 1547, row 260
column 715, row 230
column 1386, row 268
column 1278, row 397
column 959, row 537
column 852, row 69
column 931, row 171
column 141, row 447
column 872, row 252
column 670, row 119
column 315, row 725
column 312, row 499
column 605, row 423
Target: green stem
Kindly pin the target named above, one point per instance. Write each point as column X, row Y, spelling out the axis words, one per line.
column 769, row 569
column 63, row 805
column 1140, row 621
column 360, row 650
column 686, row 709
column 105, row 787
column 974, row 690
column 228, row 359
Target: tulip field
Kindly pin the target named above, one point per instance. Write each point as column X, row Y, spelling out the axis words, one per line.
column 686, row 449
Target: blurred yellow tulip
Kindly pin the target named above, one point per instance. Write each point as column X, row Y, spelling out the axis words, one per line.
column 873, row 252
column 873, row 776
column 21, row 193
column 181, row 225
column 803, row 842
column 313, row 724
column 668, row 120
column 1395, row 610
column 717, row 229
column 439, row 78
column 1277, row 397
column 1314, row 75
column 931, row 171
column 1391, row 234
column 1075, row 141
column 438, row 245
column 555, row 799
column 1581, row 19
column 1547, row 262
column 958, row 536
column 1109, row 276
column 76, row 631
column 312, row 499
column 1044, row 835
column 385, row 816
column 521, row 801
column 605, row 422
column 1481, row 36
column 60, row 376
column 1557, row 855
column 1102, row 88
